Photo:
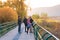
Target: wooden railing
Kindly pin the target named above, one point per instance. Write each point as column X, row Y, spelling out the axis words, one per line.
column 6, row 27
column 42, row 34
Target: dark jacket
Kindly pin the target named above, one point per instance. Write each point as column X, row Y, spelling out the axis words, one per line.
column 25, row 21
column 19, row 20
column 31, row 20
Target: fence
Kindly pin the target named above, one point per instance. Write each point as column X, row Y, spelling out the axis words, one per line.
column 42, row 34
column 6, row 27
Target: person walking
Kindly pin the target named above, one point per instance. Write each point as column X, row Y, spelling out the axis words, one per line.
column 31, row 21
column 28, row 24
column 19, row 24
column 25, row 22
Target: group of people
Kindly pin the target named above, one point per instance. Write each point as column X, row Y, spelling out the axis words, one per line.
column 28, row 24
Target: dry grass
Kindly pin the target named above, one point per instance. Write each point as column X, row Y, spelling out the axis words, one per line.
column 51, row 25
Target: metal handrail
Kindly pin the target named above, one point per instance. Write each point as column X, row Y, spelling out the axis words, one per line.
column 8, row 27
column 47, row 32
column 40, row 36
column 50, row 33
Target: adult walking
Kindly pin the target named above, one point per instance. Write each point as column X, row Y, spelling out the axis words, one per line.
column 28, row 24
column 31, row 21
column 19, row 24
column 31, row 28
column 25, row 22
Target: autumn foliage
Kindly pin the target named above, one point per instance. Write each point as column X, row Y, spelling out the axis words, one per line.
column 7, row 14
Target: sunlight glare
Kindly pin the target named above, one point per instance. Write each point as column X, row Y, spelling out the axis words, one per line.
column 42, row 3
column 3, row 1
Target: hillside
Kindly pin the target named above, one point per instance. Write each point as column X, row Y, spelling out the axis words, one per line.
column 51, row 11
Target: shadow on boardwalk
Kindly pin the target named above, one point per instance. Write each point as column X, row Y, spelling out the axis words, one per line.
column 17, row 36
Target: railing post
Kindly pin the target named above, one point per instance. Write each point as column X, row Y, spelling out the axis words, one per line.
column 36, row 30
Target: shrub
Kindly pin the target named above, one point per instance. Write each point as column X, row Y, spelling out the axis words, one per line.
column 7, row 14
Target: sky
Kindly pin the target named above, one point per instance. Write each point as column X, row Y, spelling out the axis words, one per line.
column 42, row 3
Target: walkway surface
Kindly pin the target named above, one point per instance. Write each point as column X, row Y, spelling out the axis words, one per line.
column 14, row 35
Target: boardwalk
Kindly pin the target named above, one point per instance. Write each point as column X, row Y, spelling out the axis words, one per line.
column 13, row 34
